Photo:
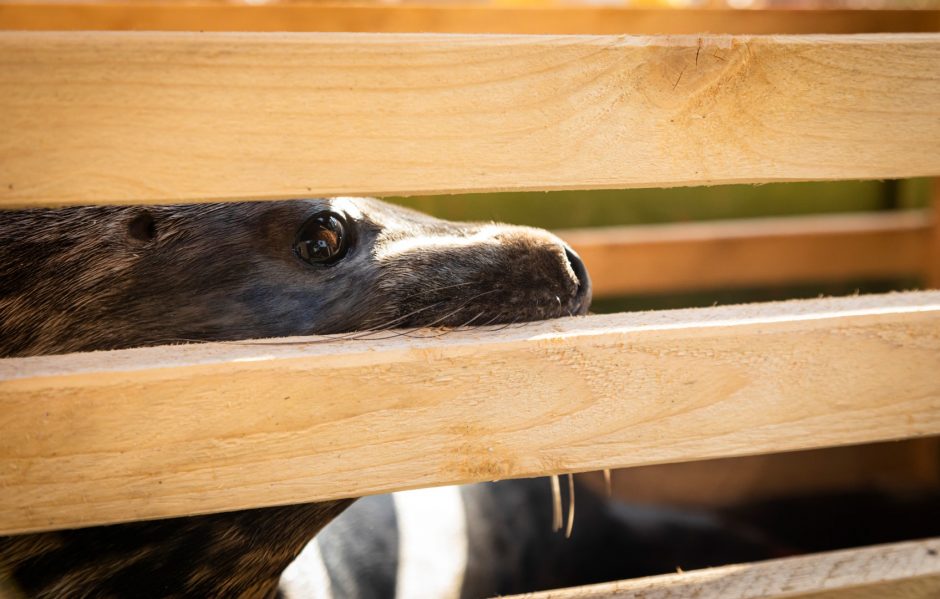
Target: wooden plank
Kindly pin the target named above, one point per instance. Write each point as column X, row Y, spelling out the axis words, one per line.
column 753, row 252
column 109, row 117
column 135, row 434
column 908, row 570
column 451, row 18
column 933, row 258
column 898, row 467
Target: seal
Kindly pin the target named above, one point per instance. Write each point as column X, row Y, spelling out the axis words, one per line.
column 84, row 279
column 99, row 278
column 496, row 539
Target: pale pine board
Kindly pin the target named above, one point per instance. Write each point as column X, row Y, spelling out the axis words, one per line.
column 908, row 570
column 108, row 117
column 894, row 467
column 133, row 434
column 170, row 15
column 933, row 259
column 753, row 252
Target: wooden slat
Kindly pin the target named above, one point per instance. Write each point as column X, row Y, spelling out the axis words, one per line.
column 471, row 18
column 754, row 252
column 104, row 437
column 908, row 570
column 109, row 117
column 933, row 257
column 897, row 467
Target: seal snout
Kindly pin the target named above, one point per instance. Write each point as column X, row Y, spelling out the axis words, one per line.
column 582, row 294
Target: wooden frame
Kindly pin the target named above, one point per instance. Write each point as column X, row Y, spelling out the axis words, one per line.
column 335, row 114
column 205, row 15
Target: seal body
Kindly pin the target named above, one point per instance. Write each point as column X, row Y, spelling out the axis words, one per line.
column 99, row 278
column 493, row 539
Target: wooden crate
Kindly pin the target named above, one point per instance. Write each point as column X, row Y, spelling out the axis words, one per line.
column 427, row 113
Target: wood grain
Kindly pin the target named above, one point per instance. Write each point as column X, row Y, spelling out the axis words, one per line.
column 111, row 117
column 145, row 433
column 449, row 18
column 908, row 570
column 754, row 252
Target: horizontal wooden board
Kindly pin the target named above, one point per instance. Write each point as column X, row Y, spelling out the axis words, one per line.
column 755, row 252
column 144, row 433
column 908, row 570
column 111, row 117
column 933, row 259
column 898, row 467
column 449, row 18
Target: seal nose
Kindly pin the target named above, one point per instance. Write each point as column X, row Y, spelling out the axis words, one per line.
column 582, row 298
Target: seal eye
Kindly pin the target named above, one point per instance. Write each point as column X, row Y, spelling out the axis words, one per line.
column 322, row 239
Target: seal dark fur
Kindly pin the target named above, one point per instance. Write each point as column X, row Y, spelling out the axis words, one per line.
column 507, row 545
column 81, row 279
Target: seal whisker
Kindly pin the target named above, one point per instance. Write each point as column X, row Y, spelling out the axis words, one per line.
column 399, row 333
column 409, row 332
column 505, row 326
column 467, row 324
column 390, row 323
column 455, row 311
column 570, row 526
column 369, row 335
column 437, row 289
column 490, row 321
column 557, row 518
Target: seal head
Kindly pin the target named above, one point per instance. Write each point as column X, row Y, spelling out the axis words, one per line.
column 82, row 279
